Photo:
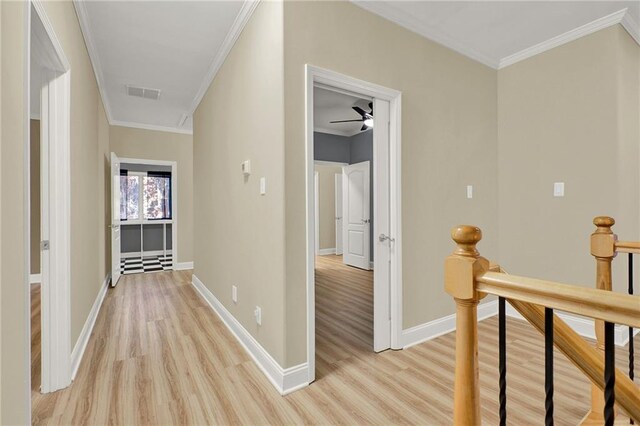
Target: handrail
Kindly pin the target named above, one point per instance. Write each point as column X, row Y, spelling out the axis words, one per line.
column 594, row 303
column 627, row 246
column 469, row 277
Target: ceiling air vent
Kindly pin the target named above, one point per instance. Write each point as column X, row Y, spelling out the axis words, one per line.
column 143, row 92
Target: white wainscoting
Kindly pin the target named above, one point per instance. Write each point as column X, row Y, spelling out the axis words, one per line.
column 285, row 380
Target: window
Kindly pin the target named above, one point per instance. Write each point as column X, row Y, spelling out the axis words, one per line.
column 145, row 196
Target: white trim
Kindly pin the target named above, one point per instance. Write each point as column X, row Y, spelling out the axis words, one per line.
column 174, row 194
column 585, row 327
column 83, row 19
column 247, row 9
column 55, row 111
column 329, row 163
column 632, row 26
column 387, row 11
column 85, row 334
column 134, row 254
column 35, row 278
column 569, row 36
column 316, row 203
column 183, row 266
column 371, row 265
column 314, row 75
column 143, row 126
column 285, row 380
column 326, row 251
column 336, row 132
column 441, row 326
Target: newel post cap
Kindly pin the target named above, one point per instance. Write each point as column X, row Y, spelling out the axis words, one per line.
column 463, row 266
column 467, row 237
column 603, row 240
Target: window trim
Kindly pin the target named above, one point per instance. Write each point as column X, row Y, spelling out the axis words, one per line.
column 141, row 176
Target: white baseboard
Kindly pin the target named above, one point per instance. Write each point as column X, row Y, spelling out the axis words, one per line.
column 131, row 254
column 430, row 330
column 585, row 327
column 327, row 251
column 181, row 266
column 285, row 380
column 81, row 344
column 35, row 278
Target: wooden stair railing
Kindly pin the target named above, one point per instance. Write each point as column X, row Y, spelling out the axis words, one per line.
column 469, row 278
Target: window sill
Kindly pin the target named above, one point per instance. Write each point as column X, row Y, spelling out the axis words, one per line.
column 146, row 222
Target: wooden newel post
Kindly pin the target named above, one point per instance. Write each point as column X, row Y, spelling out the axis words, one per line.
column 461, row 269
column 603, row 248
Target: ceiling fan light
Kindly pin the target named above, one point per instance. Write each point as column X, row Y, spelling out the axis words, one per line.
column 369, row 123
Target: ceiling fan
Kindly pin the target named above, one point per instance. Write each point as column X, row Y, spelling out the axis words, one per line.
column 365, row 117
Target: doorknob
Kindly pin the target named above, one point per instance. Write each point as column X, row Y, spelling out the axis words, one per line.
column 338, row 217
column 383, row 237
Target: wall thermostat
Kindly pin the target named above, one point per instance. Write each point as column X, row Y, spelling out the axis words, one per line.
column 246, row 167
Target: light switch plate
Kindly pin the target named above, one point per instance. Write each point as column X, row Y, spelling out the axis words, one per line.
column 246, row 167
column 234, row 294
column 263, row 186
column 469, row 191
column 558, row 189
column 258, row 314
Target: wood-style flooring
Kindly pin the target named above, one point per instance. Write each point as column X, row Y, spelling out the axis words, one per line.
column 159, row 355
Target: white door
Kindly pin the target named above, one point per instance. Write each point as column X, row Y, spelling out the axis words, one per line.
column 384, row 243
column 356, row 216
column 338, row 214
column 115, row 219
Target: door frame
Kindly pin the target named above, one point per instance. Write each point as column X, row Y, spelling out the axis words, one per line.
column 319, row 76
column 55, row 104
column 174, row 198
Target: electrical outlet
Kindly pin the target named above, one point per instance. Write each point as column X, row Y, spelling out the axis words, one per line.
column 558, row 189
column 469, row 191
column 258, row 314
column 234, row 294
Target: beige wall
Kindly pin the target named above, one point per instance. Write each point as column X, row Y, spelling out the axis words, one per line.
column 34, row 158
column 86, row 192
column 567, row 115
column 240, row 239
column 327, row 204
column 448, row 141
column 13, row 268
column 87, row 169
column 153, row 145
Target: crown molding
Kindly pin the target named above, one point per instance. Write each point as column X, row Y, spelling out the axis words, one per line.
column 247, row 9
column 83, row 19
column 410, row 23
column 143, row 126
column 407, row 21
column 569, row 36
column 632, row 26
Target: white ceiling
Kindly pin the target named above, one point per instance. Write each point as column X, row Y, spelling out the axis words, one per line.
column 166, row 45
column 329, row 105
column 178, row 46
column 499, row 33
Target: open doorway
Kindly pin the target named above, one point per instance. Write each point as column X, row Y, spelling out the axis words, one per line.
column 49, row 207
column 353, row 205
column 144, row 223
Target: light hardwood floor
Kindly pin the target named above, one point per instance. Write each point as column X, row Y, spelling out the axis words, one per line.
column 159, row 355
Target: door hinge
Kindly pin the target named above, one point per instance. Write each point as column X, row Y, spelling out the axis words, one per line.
column 44, row 245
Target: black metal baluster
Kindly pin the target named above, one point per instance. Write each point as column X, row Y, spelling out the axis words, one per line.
column 609, row 373
column 631, row 348
column 502, row 332
column 548, row 366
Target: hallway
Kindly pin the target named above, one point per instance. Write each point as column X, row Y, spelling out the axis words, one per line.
column 159, row 355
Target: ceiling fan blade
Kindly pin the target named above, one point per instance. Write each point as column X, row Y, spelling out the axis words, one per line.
column 364, row 127
column 345, row 121
column 359, row 110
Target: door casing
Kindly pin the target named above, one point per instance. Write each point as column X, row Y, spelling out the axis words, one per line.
column 390, row 159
